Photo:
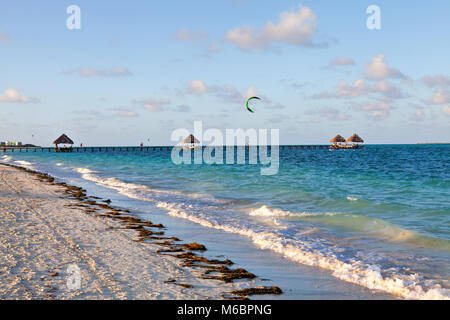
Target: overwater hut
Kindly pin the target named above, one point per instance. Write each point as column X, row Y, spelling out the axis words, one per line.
column 337, row 140
column 63, row 139
column 190, row 142
column 355, row 139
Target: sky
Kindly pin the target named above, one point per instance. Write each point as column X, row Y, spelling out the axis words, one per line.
column 135, row 71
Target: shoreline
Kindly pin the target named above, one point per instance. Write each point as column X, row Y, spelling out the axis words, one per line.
column 48, row 220
column 297, row 281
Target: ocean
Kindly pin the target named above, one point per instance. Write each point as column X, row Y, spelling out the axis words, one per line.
column 377, row 217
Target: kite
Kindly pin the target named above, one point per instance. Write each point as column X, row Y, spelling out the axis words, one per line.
column 248, row 101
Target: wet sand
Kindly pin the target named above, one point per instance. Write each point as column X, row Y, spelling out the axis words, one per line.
column 57, row 242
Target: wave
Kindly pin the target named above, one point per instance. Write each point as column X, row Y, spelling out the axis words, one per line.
column 409, row 286
column 357, row 223
column 369, row 276
column 265, row 211
column 24, row 163
column 132, row 190
column 127, row 189
column 84, row 170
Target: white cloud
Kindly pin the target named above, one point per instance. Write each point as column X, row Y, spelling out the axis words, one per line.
column 232, row 95
column 379, row 70
column 90, row 114
column 441, row 97
column 124, row 112
column 226, row 93
column 375, row 111
column 229, row 94
column 95, row 72
column 388, row 90
column 438, row 80
column 13, row 95
column 251, row 92
column 245, row 38
column 357, row 89
column 201, row 39
column 196, row 87
column 191, row 36
column 340, row 62
column 446, row 110
column 346, row 90
column 295, row 28
column 418, row 115
column 360, row 88
column 333, row 114
column 154, row 105
column 266, row 101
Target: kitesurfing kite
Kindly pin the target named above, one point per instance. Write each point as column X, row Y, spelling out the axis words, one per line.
column 248, row 101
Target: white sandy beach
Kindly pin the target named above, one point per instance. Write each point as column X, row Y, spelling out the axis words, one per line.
column 41, row 239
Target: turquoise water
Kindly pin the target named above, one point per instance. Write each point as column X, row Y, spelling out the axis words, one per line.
column 378, row 217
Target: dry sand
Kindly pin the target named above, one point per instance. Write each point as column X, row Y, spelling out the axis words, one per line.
column 44, row 241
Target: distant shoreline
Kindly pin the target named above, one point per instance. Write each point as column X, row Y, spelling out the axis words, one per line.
column 433, row 143
column 19, row 147
column 29, row 146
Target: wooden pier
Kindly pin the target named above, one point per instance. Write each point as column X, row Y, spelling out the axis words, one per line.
column 135, row 149
column 86, row 149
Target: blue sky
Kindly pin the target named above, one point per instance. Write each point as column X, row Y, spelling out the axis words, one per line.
column 139, row 70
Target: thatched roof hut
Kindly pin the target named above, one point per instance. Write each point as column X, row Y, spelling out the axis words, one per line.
column 190, row 139
column 338, row 138
column 63, row 139
column 355, row 138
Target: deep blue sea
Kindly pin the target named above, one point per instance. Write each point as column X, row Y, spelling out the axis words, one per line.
column 378, row 217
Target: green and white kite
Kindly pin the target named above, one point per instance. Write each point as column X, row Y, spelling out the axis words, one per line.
column 248, row 101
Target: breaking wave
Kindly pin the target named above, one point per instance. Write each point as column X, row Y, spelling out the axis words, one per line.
column 370, row 276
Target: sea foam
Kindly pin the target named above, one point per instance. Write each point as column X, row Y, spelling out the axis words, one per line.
column 357, row 272
column 265, row 211
column 405, row 286
column 6, row 158
column 24, row 163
